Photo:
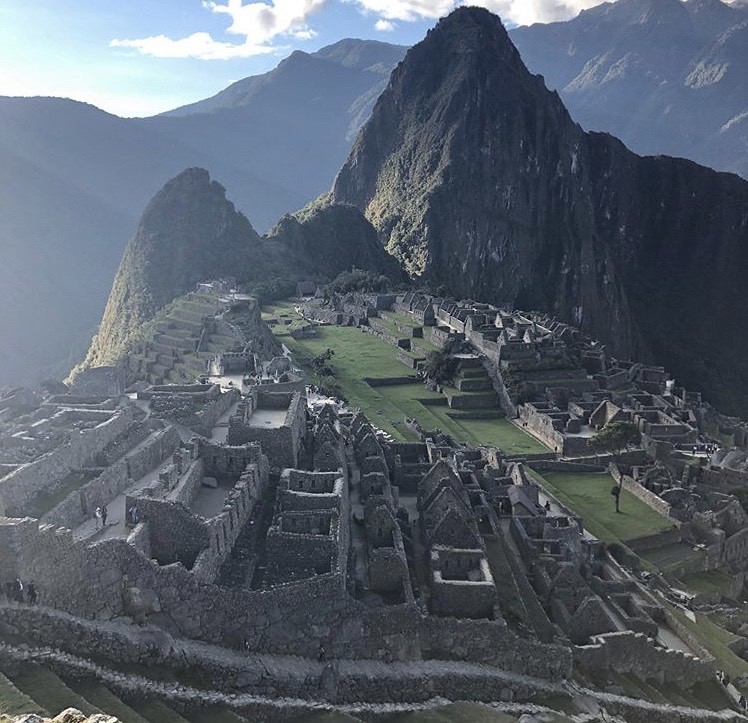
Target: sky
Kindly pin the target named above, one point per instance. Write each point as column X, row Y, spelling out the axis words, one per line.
column 142, row 57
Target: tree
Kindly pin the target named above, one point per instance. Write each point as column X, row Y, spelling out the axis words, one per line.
column 321, row 364
column 439, row 366
column 614, row 438
column 357, row 280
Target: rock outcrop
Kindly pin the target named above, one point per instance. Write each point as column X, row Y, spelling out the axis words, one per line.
column 480, row 182
column 325, row 239
column 188, row 233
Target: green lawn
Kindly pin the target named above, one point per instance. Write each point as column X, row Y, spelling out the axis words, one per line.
column 49, row 692
column 669, row 555
column 360, row 355
column 589, row 496
column 708, row 581
column 13, row 702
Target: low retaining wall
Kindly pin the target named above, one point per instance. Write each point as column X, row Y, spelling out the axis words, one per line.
column 389, row 381
column 635, row 653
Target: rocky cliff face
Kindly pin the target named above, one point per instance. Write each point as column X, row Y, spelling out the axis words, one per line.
column 322, row 240
column 477, row 178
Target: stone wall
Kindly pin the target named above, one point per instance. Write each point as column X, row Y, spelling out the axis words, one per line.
column 566, row 466
column 628, row 652
column 221, row 460
column 46, row 472
column 150, row 454
column 492, row 642
column 80, row 504
column 175, row 533
column 207, row 417
column 473, row 401
column 118, row 447
column 112, row 578
column 283, row 444
column 114, row 480
column 645, row 495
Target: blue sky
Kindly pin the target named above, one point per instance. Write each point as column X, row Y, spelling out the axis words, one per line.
column 140, row 57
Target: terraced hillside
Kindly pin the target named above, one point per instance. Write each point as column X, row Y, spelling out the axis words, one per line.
column 31, row 688
column 176, row 345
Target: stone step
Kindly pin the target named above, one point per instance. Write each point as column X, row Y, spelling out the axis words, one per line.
column 473, row 401
column 469, row 363
column 49, row 691
column 169, row 342
column 14, row 701
column 215, row 715
column 474, row 384
column 103, row 698
column 473, row 372
column 156, row 712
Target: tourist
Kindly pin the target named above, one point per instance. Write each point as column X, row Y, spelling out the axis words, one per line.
column 18, row 590
column 104, row 513
column 97, row 517
column 31, row 593
column 134, row 515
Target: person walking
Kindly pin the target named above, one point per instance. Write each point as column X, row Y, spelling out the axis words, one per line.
column 31, row 595
column 97, row 515
column 18, row 591
column 104, row 513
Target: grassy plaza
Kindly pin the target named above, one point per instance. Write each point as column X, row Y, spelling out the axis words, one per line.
column 360, row 356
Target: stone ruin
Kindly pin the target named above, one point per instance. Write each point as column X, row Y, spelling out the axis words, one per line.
column 250, row 523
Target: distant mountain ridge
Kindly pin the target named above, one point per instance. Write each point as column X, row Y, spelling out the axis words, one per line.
column 665, row 76
column 480, row 182
column 75, row 180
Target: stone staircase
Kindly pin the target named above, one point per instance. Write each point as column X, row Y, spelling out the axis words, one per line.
column 184, row 336
column 35, row 689
column 475, row 392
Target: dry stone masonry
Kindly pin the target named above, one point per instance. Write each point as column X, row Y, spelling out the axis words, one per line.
column 242, row 520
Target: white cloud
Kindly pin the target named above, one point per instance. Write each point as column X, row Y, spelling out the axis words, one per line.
column 527, row 12
column 384, row 25
column 258, row 23
column 197, row 45
column 407, row 10
column 519, row 12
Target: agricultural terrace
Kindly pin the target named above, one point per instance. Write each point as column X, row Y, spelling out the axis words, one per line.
column 359, row 356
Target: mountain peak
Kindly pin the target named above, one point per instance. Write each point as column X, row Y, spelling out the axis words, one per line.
column 472, row 30
column 478, row 180
column 188, row 233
